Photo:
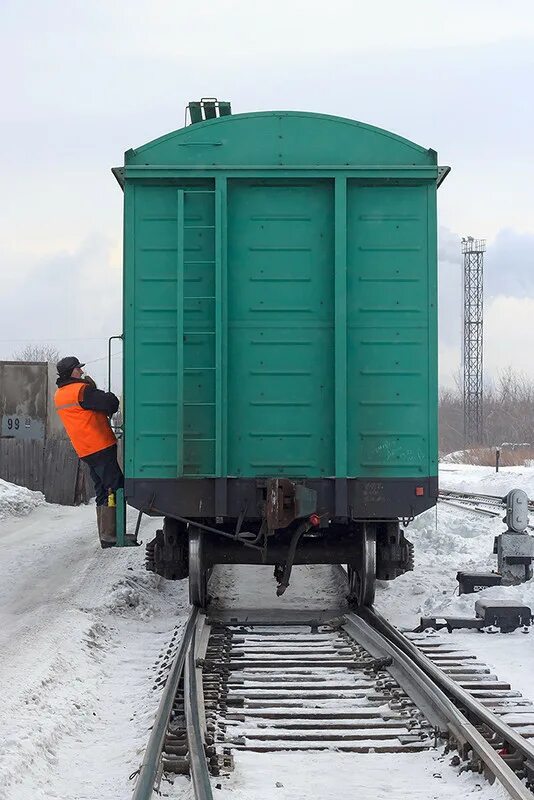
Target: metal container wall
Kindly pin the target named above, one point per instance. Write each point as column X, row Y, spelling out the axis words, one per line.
column 280, row 301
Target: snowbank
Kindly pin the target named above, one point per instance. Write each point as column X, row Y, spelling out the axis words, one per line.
column 448, row 539
column 17, row 501
column 83, row 636
column 484, row 480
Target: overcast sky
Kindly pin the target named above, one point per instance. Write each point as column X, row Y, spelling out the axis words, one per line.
column 85, row 81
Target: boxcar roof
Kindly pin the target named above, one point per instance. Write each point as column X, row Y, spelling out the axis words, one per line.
column 280, row 138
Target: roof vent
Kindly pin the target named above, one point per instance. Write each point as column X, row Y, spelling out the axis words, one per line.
column 207, row 108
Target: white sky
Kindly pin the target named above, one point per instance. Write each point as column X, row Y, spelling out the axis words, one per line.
column 84, row 81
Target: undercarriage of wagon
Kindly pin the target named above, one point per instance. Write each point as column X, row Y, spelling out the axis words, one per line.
column 290, row 532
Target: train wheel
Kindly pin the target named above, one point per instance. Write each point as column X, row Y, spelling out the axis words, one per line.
column 198, row 573
column 362, row 575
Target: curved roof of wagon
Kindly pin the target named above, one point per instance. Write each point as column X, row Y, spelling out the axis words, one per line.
column 280, row 137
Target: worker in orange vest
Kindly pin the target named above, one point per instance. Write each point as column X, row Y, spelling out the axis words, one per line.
column 85, row 412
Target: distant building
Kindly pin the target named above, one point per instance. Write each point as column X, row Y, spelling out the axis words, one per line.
column 34, row 450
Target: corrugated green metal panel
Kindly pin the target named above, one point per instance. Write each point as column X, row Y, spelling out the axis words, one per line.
column 389, row 260
column 388, row 431
column 152, row 409
column 280, row 329
column 281, row 326
column 285, row 137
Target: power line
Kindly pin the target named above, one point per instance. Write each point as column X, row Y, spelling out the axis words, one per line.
column 102, row 358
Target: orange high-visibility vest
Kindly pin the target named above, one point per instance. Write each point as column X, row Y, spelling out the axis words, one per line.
column 89, row 431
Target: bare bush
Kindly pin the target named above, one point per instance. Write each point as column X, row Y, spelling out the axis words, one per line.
column 508, row 417
column 37, row 352
column 485, row 456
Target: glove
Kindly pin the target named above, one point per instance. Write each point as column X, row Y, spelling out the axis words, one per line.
column 90, row 382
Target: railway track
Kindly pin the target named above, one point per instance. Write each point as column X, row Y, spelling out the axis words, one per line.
column 490, row 505
column 266, row 681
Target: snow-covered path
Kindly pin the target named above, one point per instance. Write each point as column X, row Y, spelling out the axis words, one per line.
column 81, row 630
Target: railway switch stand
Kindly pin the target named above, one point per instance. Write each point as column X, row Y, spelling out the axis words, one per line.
column 515, row 547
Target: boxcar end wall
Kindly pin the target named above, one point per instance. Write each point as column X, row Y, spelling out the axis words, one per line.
column 281, row 314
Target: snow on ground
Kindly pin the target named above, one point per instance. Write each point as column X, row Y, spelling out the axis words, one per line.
column 81, row 631
column 311, row 586
column 484, row 480
column 448, row 539
column 323, row 775
column 17, row 500
column 329, row 776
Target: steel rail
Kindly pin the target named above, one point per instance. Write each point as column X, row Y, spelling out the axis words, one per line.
column 434, row 703
column 473, row 502
column 473, row 506
column 472, row 497
column 150, row 767
column 198, row 765
column 446, row 688
column 491, row 499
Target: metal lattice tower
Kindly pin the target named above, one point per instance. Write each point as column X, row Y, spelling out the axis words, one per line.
column 473, row 252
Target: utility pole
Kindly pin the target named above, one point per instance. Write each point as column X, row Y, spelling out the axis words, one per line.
column 473, row 251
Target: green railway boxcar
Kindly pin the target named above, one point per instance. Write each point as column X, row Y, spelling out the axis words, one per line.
column 280, row 342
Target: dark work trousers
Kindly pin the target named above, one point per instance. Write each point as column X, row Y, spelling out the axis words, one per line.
column 105, row 472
